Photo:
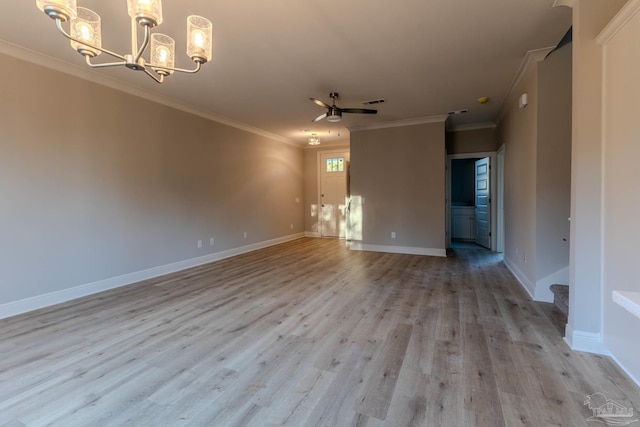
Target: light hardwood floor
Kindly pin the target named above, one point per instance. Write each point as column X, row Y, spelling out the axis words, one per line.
column 306, row 333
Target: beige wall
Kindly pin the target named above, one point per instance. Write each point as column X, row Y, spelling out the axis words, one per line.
column 553, row 171
column 537, row 175
column 311, row 225
column 96, row 184
column 472, row 141
column 400, row 173
column 518, row 132
column 621, row 229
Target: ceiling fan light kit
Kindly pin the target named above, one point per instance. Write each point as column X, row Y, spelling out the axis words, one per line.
column 85, row 34
column 334, row 115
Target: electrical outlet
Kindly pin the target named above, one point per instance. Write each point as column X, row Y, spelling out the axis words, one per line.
column 245, row 234
column 199, row 244
column 393, row 234
column 297, row 199
column 292, row 226
column 211, row 241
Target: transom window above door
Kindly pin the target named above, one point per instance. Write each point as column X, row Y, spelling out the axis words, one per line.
column 335, row 164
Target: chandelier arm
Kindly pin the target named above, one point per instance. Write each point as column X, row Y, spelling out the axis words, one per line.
column 84, row 42
column 103, row 65
column 158, row 79
column 180, row 70
column 145, row 42
column 134, row 37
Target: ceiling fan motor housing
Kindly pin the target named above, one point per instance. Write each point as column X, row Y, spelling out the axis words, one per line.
column 334, row 115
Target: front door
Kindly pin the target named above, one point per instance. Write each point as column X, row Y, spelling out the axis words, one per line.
column 333, row 194
column 483, row 203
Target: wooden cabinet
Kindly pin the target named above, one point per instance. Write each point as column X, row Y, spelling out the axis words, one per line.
column 463, row 221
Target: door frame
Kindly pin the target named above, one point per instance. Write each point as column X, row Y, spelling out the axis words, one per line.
column 346, row 153
column 495, row 196
column 500, row 200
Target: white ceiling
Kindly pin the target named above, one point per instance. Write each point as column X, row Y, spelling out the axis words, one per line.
column 425, row 57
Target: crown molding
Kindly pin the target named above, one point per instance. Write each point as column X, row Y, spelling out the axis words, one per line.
column 89, row 74
column 401, row 123
column 529, row 61
column 472, row 126
column 624, row 15
column 566, row 3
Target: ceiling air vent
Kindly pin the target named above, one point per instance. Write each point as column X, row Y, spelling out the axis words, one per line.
column 374, row 101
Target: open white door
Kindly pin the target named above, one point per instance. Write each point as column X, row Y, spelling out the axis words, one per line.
column 483, row 202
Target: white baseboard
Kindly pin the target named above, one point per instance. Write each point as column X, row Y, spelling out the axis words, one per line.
column 311, row 234
column 590, row 342
column 633, row 377
column 543, row 293
column 40, row 301
column 538, row 291
column 520, row 277
column 410, row 250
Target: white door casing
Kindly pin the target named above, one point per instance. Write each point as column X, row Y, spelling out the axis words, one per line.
column 499, row 197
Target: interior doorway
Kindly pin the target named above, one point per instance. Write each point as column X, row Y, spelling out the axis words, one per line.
column 471, row 209
column 333, row 171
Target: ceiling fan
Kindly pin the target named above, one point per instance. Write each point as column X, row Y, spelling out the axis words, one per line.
column 334, row 114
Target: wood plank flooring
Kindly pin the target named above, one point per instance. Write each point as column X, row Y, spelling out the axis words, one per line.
column 305, row 333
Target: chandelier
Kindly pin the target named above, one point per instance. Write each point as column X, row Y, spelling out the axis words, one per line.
column 314, row 140
column 84, row 32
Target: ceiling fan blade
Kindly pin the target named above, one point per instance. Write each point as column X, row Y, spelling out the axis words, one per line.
column 320, row 103
column 358, row 110
column 320, row 117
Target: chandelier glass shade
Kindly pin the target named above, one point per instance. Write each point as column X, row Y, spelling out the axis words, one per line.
column 85, row 26
column 85, row 34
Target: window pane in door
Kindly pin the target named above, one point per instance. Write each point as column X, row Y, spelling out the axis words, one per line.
column 335, row 164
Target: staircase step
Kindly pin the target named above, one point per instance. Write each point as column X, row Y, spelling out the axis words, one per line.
column 561, row 297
